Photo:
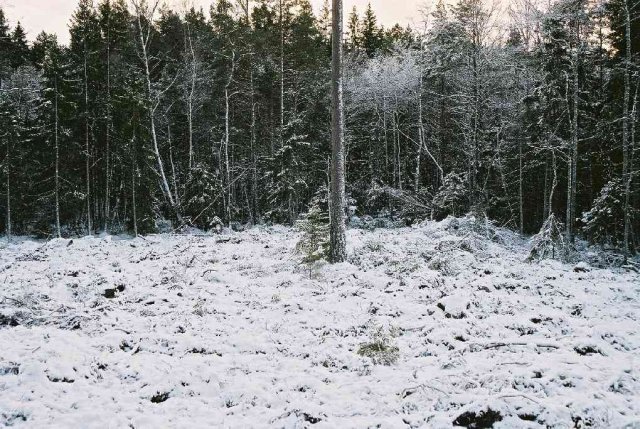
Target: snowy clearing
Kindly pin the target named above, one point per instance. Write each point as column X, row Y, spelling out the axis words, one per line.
column 231, row 331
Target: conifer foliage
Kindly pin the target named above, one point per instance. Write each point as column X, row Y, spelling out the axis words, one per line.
column 157, row 115
column 314, row 225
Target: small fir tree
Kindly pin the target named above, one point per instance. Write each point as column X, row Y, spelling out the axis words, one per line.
column 604, row 223
column 314, row 244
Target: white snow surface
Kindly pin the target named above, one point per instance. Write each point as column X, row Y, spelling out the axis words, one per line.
column 233, row 331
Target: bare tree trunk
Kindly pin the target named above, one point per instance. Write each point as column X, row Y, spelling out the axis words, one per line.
column 254, row 164
column 573, row 150
column 626, row 165
column 545, row 207
column 476, row 118
column 386, row 140
column 632, row 149
column 7, row 170
column 338, row 240
column 227, row 136
column 107, row 194
column 520, row 193
column 134, row 174
column 173, row 166
column 57, row 160
column 191, row 94
column 420, row 132
column 87, row 146
column 281, row 73
column 423, row 140
column 554, row 182
column 397, row 142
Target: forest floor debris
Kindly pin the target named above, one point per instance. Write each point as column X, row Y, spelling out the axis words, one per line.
column 431, row 326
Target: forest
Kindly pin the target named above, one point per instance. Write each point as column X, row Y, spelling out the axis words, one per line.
column 266, row 215
column 157, row 119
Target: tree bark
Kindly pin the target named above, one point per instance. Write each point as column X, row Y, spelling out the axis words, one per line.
column 338, row 240
column 134, row 174
column 227, row 136
column 191, row 93
column 8, row 195
column 520, row 190
column 87, row 145
column 107, row 191
column 573, row 149
column 57, row 160
column 281, row 19
column 626, row 167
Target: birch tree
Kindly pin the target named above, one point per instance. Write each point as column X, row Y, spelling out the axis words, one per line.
column 145, row 15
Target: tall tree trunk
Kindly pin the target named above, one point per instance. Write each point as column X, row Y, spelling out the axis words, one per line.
column 632, row 149
column 107, row 195
column 227, row 137
column 545, row 207
column 7, row 170
column 338, row 240
column 173, row 165
column 626, row 147
column 386, row 141
column 57, row 160
column 520, row 192
column 573, row 146
column 134, row 174
column 281, row 73
column 87, row 145
column 554, row 181
column 191, row 94
column 475, row 132
column 420, row 132
column 254, row 163
column 573, row 149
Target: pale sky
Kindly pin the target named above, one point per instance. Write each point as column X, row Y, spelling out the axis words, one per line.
column 53, row 15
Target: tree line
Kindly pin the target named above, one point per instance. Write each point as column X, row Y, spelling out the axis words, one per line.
column 520, row 114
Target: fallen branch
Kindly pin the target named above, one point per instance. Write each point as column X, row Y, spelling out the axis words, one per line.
column 411, row 390
column 519, row 395
column 495, row 345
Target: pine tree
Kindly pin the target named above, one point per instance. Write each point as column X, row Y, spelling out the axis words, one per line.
column 84, row 49
column 371, row 34
column 19, row 47
column 354, row 33
column 50, row 58
column 5, row 47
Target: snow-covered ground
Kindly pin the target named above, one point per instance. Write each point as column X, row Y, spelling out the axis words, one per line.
column 232, row 331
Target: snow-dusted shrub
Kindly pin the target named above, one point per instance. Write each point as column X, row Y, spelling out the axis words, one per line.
column 381, row 349
column 216, row 225
column 374, row 246
column 364, row 222
column 604, row 223
column 550, row 242
column 163, row 226
column 442, row 264
column 369, row 223
column 411, row 206
column 478, row 225
column 452, row 196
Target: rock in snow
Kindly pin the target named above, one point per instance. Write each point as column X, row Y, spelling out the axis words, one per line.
column 195, row 331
